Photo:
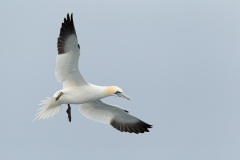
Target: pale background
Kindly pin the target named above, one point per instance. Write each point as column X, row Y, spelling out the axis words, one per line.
column 178, row 61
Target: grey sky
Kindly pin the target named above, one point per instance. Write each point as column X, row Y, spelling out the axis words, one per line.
column 178, row 61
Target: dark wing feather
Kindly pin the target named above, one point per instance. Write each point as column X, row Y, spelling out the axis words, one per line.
column 118, row 118
column 134, row 127
column 66, row 30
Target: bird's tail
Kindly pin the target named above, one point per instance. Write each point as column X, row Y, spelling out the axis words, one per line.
column 49, row 108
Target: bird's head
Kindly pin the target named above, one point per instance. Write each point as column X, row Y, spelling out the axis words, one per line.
column 115, row 91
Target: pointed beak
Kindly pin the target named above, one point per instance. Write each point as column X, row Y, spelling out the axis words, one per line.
column 123, row 96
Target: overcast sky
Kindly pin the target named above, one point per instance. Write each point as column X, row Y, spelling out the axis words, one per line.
column 178, row 61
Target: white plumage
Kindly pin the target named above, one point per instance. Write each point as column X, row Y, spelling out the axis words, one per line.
column 77, row 91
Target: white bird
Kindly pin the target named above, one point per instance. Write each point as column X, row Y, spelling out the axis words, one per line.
column 77, row 91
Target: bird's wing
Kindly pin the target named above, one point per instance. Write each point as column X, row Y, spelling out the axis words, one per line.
column 118, row 118
column 68, row 54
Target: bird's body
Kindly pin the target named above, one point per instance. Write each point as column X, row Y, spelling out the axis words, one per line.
column 83, row 94
column 78, row 91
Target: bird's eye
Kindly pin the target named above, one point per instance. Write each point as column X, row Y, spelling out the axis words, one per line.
column 117, row 92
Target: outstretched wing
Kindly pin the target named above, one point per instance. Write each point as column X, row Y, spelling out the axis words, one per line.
column 118, row 118
column 68, row 54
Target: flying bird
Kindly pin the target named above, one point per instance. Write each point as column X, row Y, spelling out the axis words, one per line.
column 78, row 91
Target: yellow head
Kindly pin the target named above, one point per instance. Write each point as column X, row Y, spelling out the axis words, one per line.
column 115, row 91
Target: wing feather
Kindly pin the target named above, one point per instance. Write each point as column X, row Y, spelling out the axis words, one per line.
column 68, row 55
column 118, row 118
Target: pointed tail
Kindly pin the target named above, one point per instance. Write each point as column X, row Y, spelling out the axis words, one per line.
column 49, row 108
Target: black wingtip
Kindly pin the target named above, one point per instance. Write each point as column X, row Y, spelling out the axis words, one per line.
column 138, row 127
column 66, row 30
